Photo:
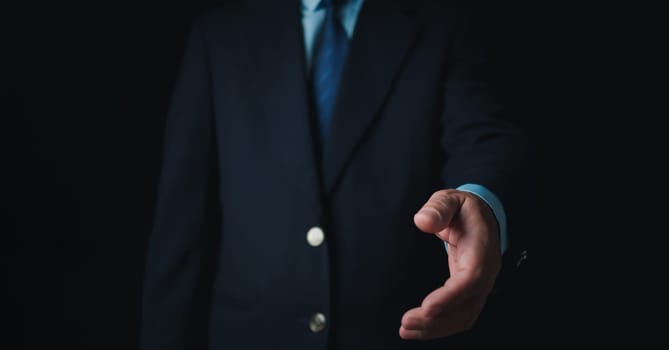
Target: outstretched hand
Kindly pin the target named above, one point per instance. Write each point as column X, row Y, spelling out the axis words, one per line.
column 468, row 225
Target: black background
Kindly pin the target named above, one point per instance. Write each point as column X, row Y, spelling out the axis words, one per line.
column 85, row 89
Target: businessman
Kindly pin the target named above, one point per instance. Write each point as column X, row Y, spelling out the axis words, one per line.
column 336, row 175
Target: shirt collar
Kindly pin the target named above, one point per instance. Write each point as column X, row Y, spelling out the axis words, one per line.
column 310, row 5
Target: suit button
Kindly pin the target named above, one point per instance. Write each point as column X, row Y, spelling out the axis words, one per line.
column 315, row 236
column 317, row 322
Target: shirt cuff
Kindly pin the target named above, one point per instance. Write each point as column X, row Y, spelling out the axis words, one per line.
column 495, row 205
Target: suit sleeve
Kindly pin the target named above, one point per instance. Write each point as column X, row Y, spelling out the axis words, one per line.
column 481, row 144
column 178, row 269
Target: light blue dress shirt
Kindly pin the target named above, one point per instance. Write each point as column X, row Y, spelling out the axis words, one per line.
column 312, row 20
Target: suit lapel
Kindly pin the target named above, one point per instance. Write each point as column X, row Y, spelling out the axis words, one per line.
column 383, row 36
column 277, row 59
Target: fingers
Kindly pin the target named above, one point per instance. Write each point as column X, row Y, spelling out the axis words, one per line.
column 445, row 311
column 456, row 291
column 437, row 213
column 416, row 319
column 416, row 325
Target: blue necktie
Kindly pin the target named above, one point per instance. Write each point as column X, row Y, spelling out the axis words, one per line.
column 328, row 64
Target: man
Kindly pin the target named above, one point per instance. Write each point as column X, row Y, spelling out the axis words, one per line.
column 307, row 146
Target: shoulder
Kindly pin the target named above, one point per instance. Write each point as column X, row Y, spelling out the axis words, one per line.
column 222, row 18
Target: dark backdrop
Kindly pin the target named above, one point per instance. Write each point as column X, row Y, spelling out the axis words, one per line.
column 85, row 89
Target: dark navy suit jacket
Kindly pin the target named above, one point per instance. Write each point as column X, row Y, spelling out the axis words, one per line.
column 244, row 177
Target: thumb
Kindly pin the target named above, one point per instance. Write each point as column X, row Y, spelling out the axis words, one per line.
column 438, row 212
